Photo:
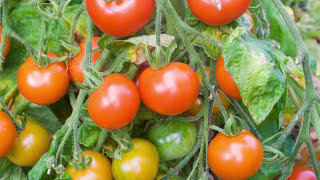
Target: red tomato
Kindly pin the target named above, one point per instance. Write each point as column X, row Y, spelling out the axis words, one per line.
column 142, row 67
column 302, row 173
column 6, row 45
column 100, row 168
column 170, row 90
column 43, row 85
column 8, row 134
column 249, row 16
column 115, row 103
column 207, row 12
column 120, row 17
column 235, row 158
column 225, row 80
column 75, row 64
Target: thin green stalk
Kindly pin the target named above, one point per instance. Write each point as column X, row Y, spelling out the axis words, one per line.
column 158, row 62
column 315, row 121
column 102, row 137
column 75, row 21
column 294, row 97
column 246, row 118
column 28, row 46
column 312, row 157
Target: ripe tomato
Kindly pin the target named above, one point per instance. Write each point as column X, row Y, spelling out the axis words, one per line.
column 249, row 16
column 142, row 67
column 6, row 45
column 173, row 139
column 31, row 144
column 140, row 163
column 120, row 17
column 43, row 85
column 170, row 90
column 8, row 134
column 225, row 80
column 238, row 157
column 115, row 103
column 100, row 168
column 75, row 64
column 207, row 12
column 302, row 173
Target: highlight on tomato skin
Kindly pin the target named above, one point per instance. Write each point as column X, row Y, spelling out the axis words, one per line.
column 120, row 18
column 118, row 96
column 170, row 90
column 302, row 173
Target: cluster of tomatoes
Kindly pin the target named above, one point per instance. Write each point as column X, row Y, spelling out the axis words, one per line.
column 170, row 91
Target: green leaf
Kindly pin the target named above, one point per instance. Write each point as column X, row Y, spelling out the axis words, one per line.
column 88, row 134
column 10, row 171
column 69, row 15
column 254, row 70
column 267, row 172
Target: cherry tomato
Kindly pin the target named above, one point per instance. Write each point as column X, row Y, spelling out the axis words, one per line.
column 43, row 85
column 6, row 45
column 8, row 134
column 100, row 168
column 142, row 67
column 207, row 12
column 173, row 139
column 238, row 157
column 302, row 173
column 120, row 17
column 170, row 90
column 140, row 163
column 249, row 16
column 115, row 103
column 195, row 107
column 75, row 64
column 225, row 80
column 31, row 144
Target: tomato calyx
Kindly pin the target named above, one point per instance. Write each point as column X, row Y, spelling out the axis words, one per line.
column 72, row 47
column 80, row 162
column 94, row 80
column 233, row 126
column 19, row 126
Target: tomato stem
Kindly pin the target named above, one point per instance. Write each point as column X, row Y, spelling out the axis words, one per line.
column 102, row 137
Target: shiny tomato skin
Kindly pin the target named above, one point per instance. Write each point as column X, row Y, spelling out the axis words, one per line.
column 249, row 16
column 173, row 139
column 8, row 134
column 207, row 12
column 170, row 90
column 99, row 169
column 120, row 18
column 142, row 67
column 31, row 144
column 225, row 80
column 140, row 163
column 115, row 103
column 235, row 158
column 302, row 173
column 6, row 45
column 195, row 107
column 75, row 63
column 43, row 85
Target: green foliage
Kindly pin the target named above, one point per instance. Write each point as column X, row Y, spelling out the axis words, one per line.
column 88, row 134
column 10, row 171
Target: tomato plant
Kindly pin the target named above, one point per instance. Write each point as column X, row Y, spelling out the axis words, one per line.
column 207, row 12
column 173, row 139
column 142, row 68
column 43, row 85
column 170, row 90
column 140, row 163
column 119, row 97
column 100, row 168
column 8, row 134
column 249, row 16
column 302, row 173
column 225, row 80
column 75, row 63
column 120, row 18
column 238, row 157
column 31, row 144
